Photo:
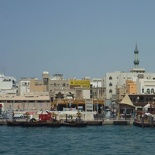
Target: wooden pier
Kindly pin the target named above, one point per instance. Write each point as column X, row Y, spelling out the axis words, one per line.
column 143, row 122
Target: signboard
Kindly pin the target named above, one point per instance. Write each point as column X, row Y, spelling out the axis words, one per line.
column 80, row 83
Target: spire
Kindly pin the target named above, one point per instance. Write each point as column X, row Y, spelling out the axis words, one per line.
column 136, row 49
column 136, row 61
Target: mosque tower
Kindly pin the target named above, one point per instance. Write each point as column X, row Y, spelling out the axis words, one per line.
column 136, row 68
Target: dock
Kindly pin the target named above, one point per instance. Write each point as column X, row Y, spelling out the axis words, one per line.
column 93, row 122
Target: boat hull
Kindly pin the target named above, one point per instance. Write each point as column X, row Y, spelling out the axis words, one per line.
column 14, row 123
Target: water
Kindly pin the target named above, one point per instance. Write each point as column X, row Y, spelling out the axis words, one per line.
column 92, row 140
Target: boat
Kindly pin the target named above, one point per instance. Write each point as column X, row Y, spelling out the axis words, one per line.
column 14, row 123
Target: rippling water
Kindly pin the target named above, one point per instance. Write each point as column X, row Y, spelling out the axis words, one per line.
column 92, row 140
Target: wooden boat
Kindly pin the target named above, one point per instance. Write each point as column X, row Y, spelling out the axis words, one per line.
column 41, row 124
column 14, row 123
column 75, row 124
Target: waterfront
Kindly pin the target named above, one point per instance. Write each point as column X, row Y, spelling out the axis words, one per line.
column 92, row 140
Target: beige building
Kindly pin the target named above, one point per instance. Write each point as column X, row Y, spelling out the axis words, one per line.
column 131, row 87
column 27, row 102
column 37, row 86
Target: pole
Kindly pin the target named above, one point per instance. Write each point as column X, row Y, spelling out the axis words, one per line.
column 97, row 97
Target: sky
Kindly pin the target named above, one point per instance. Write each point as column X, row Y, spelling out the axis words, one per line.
column 76, row 38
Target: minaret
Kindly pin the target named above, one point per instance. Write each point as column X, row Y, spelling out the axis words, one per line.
column 136, row 68
column 136, row 61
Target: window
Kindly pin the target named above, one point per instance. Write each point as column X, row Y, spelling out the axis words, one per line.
column 110, row 91
column 110, row 84
column 152, row 91
column 142, row 90
column 148, row 91
column 110, row 78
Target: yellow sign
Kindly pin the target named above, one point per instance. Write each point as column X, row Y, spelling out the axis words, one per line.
column 80, row 83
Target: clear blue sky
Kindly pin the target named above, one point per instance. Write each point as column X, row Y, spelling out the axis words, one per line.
column 77, row 38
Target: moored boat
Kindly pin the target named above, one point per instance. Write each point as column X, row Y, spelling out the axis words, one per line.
column 14, row 123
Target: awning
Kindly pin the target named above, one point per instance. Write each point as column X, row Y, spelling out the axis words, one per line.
column 126, row 100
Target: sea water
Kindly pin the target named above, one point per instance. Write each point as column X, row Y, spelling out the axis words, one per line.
column 92, row 140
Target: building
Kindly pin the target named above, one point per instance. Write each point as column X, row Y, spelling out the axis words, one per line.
column 26, row 102
column 8, row 85
column 97, row 89
column 131, row 87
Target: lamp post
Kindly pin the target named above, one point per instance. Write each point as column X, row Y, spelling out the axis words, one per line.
column 70, row 104
column 113, row 104
column 97, row 97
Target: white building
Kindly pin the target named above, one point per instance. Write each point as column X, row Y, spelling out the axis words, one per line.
column 7, row 85
column 24, row 86
column 145, row 86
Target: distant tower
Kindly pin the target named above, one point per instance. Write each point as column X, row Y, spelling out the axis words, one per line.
column 136, row 61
